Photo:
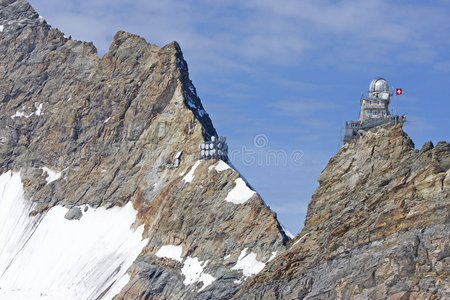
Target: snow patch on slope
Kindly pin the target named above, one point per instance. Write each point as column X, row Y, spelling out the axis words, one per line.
column 192, row 267
column 193, row 272
column 287, row 232
column 190, row 175
column 1, row 28
column 170, row 251
column 15, row 224
column 240, row 193
column 38, row 107
column 21, row 113
column 248, row 263
column 117, row 287
column 51, row 257
column 297, row 241
column 274, row 254
column 220, row 166
column 51, row 175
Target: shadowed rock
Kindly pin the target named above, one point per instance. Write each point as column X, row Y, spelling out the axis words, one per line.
column 73, row 214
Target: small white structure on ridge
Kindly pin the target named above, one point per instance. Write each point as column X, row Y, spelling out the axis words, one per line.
column 216, row 148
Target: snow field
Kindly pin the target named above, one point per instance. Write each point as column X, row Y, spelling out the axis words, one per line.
column 220, row 166
column 50, row 257
column 240, row 193
column 190, row 175
column 248, row 263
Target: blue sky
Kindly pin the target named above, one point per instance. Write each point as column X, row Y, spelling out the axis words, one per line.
column 279, row 78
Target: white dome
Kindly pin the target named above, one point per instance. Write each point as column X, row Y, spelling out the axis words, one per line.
column 378, row 85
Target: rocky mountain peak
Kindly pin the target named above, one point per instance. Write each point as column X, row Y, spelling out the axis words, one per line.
column 85, row 138
column 103, row 194
column 376, row 227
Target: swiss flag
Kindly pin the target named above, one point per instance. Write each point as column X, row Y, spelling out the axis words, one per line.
column 398, row 91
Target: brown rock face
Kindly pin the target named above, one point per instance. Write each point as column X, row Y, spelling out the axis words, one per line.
column 377, row 227
column 112, row 126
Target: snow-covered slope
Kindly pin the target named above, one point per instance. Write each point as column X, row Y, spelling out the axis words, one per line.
column 47, row 256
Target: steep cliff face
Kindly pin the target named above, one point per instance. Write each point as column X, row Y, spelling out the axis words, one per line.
column 89, row 183
column 377, row 227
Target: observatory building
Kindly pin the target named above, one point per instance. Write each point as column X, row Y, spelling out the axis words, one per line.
column 216, row 148
column 375, row 106
column 374, row 110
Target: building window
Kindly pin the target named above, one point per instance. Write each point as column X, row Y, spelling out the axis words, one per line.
column 367, row 112
column 370, row 102
column 374, row 112
column 378, row 102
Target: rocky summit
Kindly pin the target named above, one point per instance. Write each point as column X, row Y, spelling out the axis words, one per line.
column 103, row 194
column 377, row 227
column 94, row 203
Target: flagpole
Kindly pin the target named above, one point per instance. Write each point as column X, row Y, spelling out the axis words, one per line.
column 394, row 109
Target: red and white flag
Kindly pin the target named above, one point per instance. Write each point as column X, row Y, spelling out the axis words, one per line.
column 398, row 91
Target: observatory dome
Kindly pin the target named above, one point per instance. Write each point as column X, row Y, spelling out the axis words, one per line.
column 378, row 85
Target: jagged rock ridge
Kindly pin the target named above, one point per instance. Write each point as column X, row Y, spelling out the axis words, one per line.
column 81, row 133
column 377, row 227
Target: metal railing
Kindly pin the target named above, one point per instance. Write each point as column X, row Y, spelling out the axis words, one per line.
column 352, row 128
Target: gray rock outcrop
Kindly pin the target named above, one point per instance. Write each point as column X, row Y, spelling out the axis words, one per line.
column 74, row 214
